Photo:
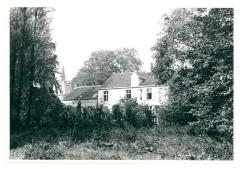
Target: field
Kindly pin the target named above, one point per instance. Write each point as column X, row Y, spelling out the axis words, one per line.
column 157, row 143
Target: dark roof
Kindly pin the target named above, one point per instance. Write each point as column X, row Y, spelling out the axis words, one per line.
column 118, row 80
column 86, row 93
column 124, row 80
column 148, row 79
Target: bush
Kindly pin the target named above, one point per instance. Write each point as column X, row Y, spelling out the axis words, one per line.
column 118, row 115
column 145, row 116
column 168, row 115
column 220, row 131
column 67, row 118
column 91, row 117
column 129, row 111
column 43, row 151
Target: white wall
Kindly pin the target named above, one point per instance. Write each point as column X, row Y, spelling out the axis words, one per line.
column 84, row 103
column 159, row 95
column 70, row 103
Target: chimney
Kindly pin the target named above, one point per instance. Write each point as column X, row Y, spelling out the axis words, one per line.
column 151, row 67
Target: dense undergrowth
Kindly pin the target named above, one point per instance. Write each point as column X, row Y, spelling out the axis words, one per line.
column 168, row 142
column 128, row 132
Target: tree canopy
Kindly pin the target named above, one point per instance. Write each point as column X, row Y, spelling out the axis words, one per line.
column 102, row 64
column 33, row 62
column 201, row 86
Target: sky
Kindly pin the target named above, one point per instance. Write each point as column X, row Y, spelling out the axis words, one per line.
column 79, row 30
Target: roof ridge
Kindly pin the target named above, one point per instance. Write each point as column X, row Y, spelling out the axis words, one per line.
column 88, row 86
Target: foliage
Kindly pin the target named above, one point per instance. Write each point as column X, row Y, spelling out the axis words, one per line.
column 128, row 111
column 102, row 64
column 79, row 107
column 170, row 116
column 158, row 143
column 118, row 115
column 33, row 65
column 194, row 56
column 86, row 118
column 43, row 151
column 96, row 118
column 46, row 108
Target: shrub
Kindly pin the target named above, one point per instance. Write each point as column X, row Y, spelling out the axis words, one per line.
column 145, row 116
column 168, row 115
column 67, row 118
column 46, row 109
column 43, row 151
column 118, row 115
column 221, row 131
column 129, row 111
column 92, row 117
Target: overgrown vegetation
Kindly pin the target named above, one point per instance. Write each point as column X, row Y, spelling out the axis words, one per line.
column 126, row 133
column 128, row 111
column 194, row 56
column 33, row 68
column 171, row 143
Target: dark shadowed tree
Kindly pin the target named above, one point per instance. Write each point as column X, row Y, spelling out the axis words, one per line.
column 194, row 56
column 33, row 63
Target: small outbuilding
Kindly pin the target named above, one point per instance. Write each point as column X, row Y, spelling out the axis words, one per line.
column 87, row 94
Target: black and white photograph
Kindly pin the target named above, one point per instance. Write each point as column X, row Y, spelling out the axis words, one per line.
column 121, row 80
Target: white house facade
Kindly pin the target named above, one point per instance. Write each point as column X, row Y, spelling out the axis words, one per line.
column 141, row 86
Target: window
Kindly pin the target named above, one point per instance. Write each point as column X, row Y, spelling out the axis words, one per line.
column 140, row 97
column 105, row 95
column 128, row 94
column 149, row 94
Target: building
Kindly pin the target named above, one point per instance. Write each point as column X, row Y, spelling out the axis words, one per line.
column 86, row 94
column 141, row 86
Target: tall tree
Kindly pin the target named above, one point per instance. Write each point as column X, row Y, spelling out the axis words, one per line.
column 200, row 41
column 23, row 47
column 41, row 46
column 102, row 64
column 14, row 40
column 33, row 63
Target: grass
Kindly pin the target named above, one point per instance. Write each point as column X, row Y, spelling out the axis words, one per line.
column 158, row 143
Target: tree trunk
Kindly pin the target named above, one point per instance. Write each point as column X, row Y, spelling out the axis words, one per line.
column 32, row 69
column 22, row 62
column 30, row 96
column 13, row 60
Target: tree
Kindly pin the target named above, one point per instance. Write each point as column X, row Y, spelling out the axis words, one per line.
column 33, row 63
column 102, row 64
column 200, row 41
column 19, row 44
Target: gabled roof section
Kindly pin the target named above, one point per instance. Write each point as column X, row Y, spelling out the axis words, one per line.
column 84, row 92
column 147, row 79
column 118, row 80
column 124, row 80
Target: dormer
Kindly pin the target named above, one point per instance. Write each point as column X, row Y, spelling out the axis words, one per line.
column 135, row 80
